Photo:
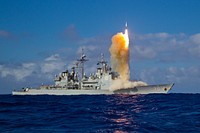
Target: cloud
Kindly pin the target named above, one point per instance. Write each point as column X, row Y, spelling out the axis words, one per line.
column 193, row 46
column 165, row 46
column 162, row 35
column 20, row 72
column 167, row 58
column 149, row 36
column 183, row 77
column 195, row 38
column 46, row 68
column 195, row 51
column 144, row 52
column 53, row 57
column 51, row 65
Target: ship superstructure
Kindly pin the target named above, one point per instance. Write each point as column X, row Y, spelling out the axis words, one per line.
column 101, row 79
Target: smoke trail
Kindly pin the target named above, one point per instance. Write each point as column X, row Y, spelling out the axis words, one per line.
column 119, row 51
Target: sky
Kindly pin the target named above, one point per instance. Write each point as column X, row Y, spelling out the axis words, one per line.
column 39, row 39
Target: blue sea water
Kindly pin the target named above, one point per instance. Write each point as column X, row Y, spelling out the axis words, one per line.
column 101, row 113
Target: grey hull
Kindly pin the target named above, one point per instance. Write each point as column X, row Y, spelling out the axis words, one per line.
column 136, row 90
column 146, row 89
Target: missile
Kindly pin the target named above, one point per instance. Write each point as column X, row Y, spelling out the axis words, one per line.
column 126, row 26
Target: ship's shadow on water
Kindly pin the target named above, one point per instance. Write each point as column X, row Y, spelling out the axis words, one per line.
column 100, row 113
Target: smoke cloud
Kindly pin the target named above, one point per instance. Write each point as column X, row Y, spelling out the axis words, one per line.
column 120, row 56
column 119, row 51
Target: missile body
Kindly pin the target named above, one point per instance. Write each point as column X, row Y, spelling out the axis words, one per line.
column 126, row 26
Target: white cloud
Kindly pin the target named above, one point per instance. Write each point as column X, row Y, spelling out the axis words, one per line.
column 161, row 36
column 195, row 51
column 164, row 46
column 44, row 68
column 53, row 57
column 177, row 75
column 50, row 67
column 195, row 38
column 52, row 64
column 20, row 72
column 144, row 52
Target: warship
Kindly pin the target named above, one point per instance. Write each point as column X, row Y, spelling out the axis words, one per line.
column 100, row 82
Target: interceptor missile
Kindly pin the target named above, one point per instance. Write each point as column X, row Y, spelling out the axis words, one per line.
column 126, row 26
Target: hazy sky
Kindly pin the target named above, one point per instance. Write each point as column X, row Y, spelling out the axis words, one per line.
column 40, row 38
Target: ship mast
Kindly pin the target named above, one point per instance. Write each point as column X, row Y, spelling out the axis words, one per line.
column 82, row 60
column 103, row 63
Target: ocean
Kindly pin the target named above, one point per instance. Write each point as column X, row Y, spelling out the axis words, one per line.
column 100, row 113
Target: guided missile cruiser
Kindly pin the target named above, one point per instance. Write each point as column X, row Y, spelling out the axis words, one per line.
column 100, row 82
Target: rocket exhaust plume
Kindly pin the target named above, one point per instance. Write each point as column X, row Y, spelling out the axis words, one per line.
column 119, row 51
